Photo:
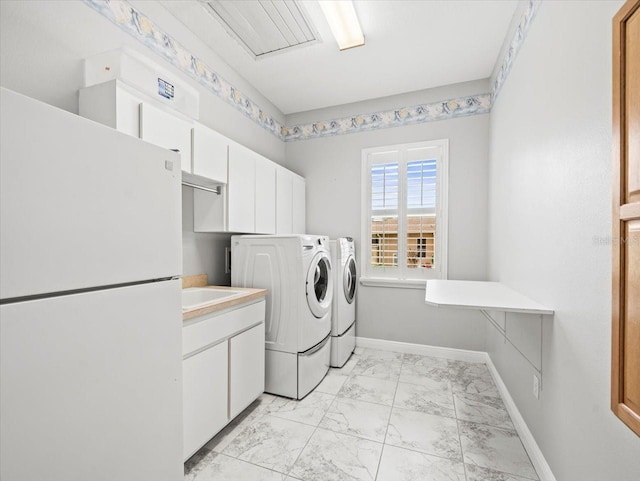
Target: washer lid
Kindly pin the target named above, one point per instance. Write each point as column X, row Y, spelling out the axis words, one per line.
column 319, row 285
column 349, row 279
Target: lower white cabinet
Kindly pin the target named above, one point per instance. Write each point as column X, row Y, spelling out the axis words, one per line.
column 205, row 394
column 223, row 370
column 246, row 369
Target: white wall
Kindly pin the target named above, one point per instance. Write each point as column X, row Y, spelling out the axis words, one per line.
column 42, row 47
column 332, row 169
column 550, row 195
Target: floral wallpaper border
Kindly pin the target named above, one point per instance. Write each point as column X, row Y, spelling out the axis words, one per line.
column 123, row 15
column 514, row 47
column 444, row 109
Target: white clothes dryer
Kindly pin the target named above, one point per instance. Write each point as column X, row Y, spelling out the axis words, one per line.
column 297, row 272
column 343, row 317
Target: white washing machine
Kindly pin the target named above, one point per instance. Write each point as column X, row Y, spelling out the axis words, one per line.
column 343, row 317
column 296, row 269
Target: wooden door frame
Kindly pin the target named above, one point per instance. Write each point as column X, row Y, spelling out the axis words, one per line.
column 620, row 215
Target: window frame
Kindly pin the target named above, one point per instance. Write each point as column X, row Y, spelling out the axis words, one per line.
column 403, row 276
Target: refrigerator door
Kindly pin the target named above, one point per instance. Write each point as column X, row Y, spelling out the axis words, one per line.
column 82, row 205
column 91, row 386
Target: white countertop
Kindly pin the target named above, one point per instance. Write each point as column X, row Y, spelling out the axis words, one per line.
column 482, row 295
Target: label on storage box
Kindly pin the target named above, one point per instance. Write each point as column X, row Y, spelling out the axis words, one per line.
column 165, row 89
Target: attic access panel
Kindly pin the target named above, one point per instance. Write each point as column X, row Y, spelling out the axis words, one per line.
column 264, row 27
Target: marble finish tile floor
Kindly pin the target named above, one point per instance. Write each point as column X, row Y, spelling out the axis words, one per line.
column 384, row 416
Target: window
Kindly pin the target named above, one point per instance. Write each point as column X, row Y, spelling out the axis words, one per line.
column 404, row 227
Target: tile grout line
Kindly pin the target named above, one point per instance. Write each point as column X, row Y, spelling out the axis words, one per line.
column 393, row 401
column 432, row 455
column 275, row 414
column 259, row 414
column 262, row 414
column 458, row 421
column 422, row 412
column 312, row 434
column 384, row 445
column 362, row 401
column 430, row 413
column 252, row 464
column 528, row 457
column 351, row 435
column 515, row 430
column 455, row 410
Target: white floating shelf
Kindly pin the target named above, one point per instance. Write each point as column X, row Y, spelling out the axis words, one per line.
column 485, row 296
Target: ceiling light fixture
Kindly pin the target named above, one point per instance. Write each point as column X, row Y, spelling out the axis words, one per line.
column 343, row 21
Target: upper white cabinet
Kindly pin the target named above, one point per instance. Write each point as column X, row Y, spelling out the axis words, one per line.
column 290, row 202
column 241, row 190
column 166, row 130
column 248, row 203
column 299, row 205
column 284, row 199
column 119, row 106
column 113, row 104
column 265, row 222
column 251, row 192
column 238, row 190
column 209, row 151
column 203, row 151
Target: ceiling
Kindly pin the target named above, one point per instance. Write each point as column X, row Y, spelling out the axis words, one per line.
column 410, row 45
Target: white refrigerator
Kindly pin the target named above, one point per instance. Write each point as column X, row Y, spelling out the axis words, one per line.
column 90, row 314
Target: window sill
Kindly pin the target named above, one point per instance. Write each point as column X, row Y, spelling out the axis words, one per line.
column 395, row 283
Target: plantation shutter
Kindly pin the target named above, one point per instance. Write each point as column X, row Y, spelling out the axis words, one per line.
column 385, row 195
column 421, row 211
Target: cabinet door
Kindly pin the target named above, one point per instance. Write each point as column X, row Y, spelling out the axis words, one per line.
column 298, row 204
column 204, row 394
column 241, row 190
column 246, row 369
column 265, row 196
column 209, row 153
column 284, row 199
column 127, row 112
column 166, row 130
column 109, row 103
column 625, row 363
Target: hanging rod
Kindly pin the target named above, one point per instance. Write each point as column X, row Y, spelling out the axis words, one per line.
column 216, row 190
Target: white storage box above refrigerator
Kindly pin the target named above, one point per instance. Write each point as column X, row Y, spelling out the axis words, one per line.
column 144, row 75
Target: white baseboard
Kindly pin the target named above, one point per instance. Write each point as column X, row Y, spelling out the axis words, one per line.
column 533, row 450
column 537, row 459
column 433, row 351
